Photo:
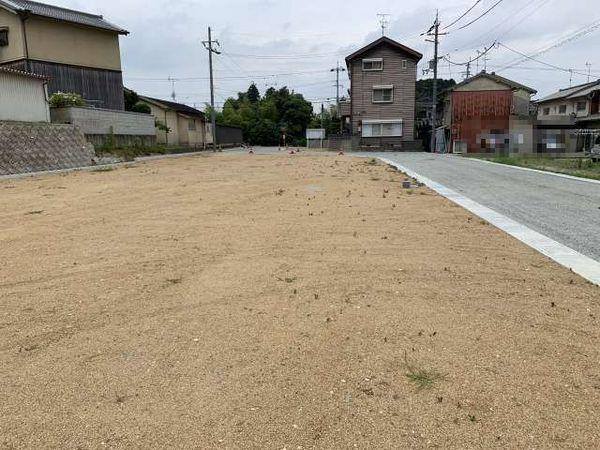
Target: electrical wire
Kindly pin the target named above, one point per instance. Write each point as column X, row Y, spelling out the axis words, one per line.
column 571, row 38
column 481, row 16
column 464, row 14
column 471, row 60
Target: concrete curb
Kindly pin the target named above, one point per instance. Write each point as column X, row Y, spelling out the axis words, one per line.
column 527, row 169
column 563, row 255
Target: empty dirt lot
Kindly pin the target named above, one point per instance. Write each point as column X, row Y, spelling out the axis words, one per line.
column 290, row 301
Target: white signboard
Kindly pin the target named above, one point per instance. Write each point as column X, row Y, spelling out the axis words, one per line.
column 315, row 133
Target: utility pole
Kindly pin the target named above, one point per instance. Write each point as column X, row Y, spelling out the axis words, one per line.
column 337, row 71
column 213, row 115
column 435, row 32
column 468, row 73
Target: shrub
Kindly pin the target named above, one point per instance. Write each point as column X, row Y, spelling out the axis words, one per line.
column 141, row 108
column 62, row 99
column 162, row 126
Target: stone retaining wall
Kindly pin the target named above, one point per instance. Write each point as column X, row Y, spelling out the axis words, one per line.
column 35, row 147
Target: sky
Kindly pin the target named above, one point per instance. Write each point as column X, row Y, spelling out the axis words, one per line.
column 294, row 43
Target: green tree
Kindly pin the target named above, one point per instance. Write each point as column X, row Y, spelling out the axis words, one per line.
column 264, row 119
column 131, row 99
column 253, row 95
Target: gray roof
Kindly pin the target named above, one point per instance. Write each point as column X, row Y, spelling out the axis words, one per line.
column 385, row 40
column 63, row 14
column 572, row 92
column 178, row 107
column 493, row 76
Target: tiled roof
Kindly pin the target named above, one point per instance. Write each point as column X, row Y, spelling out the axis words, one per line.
column 64, row 14
column 21, row 73
column 572, row 92
column 179, row 107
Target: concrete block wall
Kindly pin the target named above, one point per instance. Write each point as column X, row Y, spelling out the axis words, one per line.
column 96, row 121
column 35, row 147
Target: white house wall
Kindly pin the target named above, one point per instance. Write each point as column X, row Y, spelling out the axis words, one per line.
column 23, row 99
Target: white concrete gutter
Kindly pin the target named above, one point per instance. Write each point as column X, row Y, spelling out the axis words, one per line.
column 584, row 266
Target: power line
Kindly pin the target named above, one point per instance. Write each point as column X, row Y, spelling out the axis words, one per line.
column 538, row 61
column 291, row 56
column 572, row 37
column 464, row 14
column 485, row 51
column 486, row 36
column 481, row 16
column 239, row 77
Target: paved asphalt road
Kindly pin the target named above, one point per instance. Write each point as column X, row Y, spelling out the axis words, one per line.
column 565, row 210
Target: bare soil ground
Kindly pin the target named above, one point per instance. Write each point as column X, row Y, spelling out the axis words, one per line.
column 239, row 301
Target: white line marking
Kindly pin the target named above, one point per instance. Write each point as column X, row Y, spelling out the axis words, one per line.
column 565, row 256
column 545, row 172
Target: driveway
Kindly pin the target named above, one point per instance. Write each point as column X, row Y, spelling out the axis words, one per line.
column 563, row 209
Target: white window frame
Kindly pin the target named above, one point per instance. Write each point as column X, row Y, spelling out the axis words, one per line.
column 372, row 60
column 381, row 88
column 369, row 123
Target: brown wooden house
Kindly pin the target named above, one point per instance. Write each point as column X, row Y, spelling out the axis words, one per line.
column 78, row 52
column 383, row 78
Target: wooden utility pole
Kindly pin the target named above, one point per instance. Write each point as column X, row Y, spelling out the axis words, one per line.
column 213, row 114
column 337, row 71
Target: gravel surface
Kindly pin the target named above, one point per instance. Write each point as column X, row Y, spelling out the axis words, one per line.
column 292, row 301
column 565, row 210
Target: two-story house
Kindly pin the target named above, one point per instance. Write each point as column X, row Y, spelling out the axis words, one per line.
column 575, row 104
column 569, row 120
column 78, row 52
column 381, row 109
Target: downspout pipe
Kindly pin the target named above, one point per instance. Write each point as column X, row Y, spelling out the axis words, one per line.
column 24, row 15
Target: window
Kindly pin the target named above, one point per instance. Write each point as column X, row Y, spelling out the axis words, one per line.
column 383, row 94
column 3, row 37
column 191, row 125
column 581, row 106
column 382, row 128
column 373, row 64
column 546, row 111
column 404, row 64
column 562, row 109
